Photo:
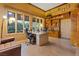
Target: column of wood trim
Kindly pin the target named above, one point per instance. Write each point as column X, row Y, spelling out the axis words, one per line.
column 74, row 39
column 59, row 34
column 30, row 24
column 77, row 33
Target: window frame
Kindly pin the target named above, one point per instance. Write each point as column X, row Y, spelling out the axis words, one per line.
column 14, row 11
column 17, row 22
column 23, row 14
column 8, row 21
column 28, row 20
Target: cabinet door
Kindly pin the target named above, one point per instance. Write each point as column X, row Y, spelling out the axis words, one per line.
column 66, row 28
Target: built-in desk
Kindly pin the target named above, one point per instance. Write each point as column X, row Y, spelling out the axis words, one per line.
column 11, row 45
column 41, row 38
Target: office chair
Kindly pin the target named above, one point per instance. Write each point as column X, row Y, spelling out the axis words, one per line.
column 31, row 37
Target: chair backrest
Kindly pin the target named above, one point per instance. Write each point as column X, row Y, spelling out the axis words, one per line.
column 26, row 31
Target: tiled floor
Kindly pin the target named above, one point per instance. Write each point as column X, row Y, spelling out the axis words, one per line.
column 53, row 48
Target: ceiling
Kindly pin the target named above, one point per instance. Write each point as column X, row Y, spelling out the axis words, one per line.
column 46, row 6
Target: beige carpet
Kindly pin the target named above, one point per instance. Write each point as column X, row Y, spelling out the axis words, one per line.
column 53, row 48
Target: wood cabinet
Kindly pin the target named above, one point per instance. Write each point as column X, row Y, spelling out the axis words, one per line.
column 53, row 34
column 53, row 27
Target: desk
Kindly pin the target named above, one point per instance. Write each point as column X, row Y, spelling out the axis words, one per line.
column 11, row 45
column 41, row 38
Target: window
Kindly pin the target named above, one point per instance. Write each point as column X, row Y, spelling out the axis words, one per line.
column 38, row 24
column 26, row 22
column 41, row 25
column 37, row 20
column 11, row 22
column 33, row 20
column 41, row 20
column 34, row 24
column 19, row 23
